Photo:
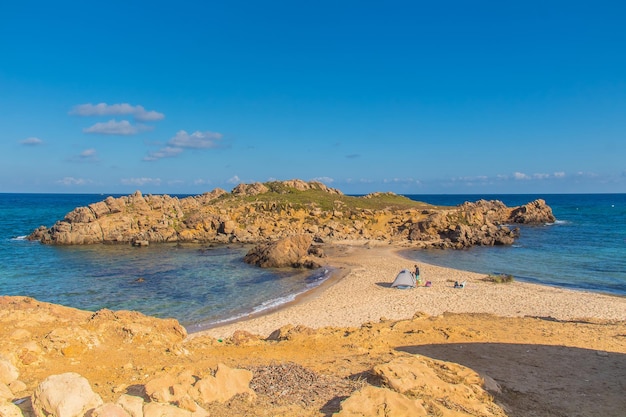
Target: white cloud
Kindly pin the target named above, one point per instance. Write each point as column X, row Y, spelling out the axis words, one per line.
column 69, row 181
column 541, row 176
column 182, row 140
column 325, row 180
column 586, row 174
column 141, row 181
column 88, row 153
column 32, row 141
column 478, row 178
column 86, row 156
column 197, row 140
column 167, row 152
column 560, row 174
column 201, row 181
column 359, row 181
column 113, row 127
column 103, row 109
column 520, row 176
column 234, row 180
column 400, row 181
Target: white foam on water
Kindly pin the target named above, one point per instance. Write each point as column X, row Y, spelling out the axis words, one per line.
column 266, row 305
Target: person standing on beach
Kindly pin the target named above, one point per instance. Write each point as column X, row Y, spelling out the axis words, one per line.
column 417, row 274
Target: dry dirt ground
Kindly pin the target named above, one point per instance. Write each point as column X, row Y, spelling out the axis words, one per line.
column 542, row 367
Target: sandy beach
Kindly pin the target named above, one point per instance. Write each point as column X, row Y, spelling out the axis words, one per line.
column 362, row 294
column 538, row 350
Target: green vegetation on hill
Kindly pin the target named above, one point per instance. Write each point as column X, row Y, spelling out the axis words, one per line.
column 284, row 196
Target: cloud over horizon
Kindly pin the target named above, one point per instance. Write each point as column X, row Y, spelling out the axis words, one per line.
column 141, row 181
column 69, row 181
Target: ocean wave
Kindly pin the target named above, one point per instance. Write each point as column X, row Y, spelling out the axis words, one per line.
column 317, row 280
column 263, row 307
column 19, row 237
column 558, row 223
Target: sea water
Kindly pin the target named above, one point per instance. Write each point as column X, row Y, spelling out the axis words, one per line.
column 201, row 286
column 585, row 249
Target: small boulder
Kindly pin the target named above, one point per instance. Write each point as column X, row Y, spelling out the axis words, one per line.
column 64, row 395
column 8, row 372
column 164, row 410
column 10, row 410
column 291, row 251
column 226, row 383
column 160, row 389
column 169, row 410
column 110, row 410
column 374, row 401
column 132, row 404
column 5, row 393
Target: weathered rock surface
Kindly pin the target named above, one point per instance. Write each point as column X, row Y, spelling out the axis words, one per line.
column 292, row 251
column 64, row 395
column 225, row 384
column 435, row 381
column 10, row 410
column 374, row 401
column 254, row 213
column 420, row 386
column 8, row 371
column 110, row 410
column 187, row 389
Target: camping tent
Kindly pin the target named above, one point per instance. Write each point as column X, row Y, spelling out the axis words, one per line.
column 404, row 279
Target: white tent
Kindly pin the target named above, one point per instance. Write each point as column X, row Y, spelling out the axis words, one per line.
column 404, row 279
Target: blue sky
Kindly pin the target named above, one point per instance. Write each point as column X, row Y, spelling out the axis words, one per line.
column 413, row 97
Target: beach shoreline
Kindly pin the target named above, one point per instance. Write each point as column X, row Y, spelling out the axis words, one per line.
column 361, row 293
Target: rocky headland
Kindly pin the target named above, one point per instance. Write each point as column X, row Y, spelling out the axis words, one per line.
column 256, row 213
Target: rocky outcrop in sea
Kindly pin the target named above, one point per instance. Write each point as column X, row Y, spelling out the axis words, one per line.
column 257, row 213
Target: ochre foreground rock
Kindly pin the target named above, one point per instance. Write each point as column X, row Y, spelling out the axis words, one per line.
column 64, row 395
column 374, row 401
column 145, row 367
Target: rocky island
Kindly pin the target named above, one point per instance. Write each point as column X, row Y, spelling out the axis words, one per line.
column 254, row 213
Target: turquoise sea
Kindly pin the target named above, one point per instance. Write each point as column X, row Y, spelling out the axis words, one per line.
column 199, row 285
